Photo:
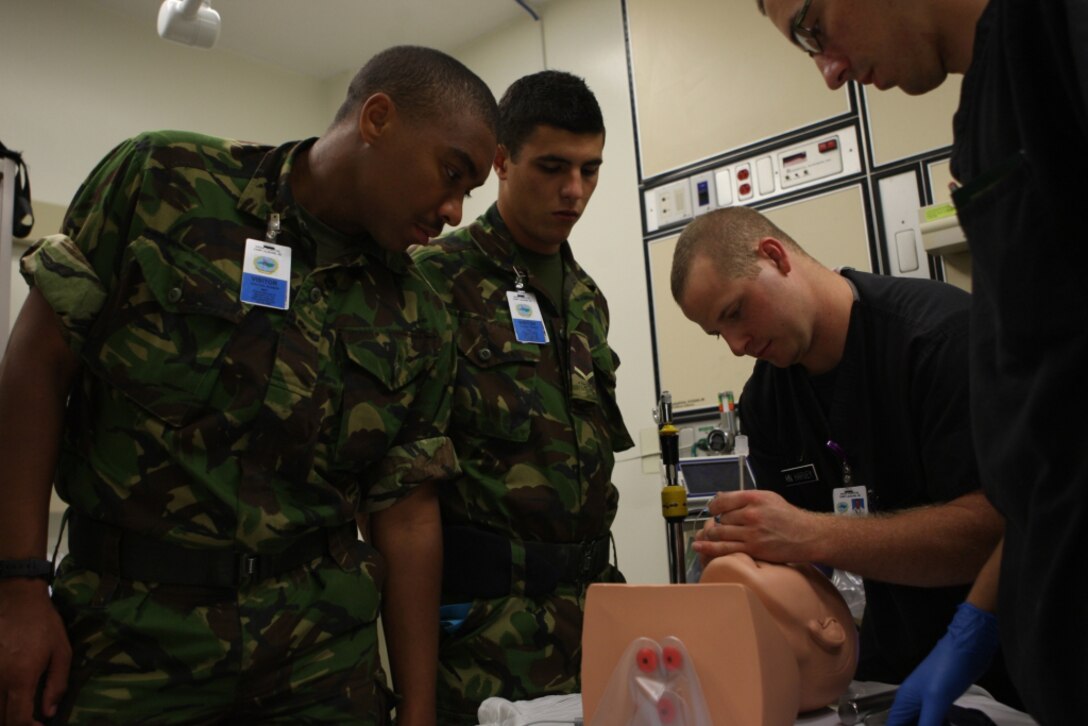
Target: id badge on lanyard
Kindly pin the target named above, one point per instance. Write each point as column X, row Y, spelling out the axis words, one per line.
column 849, row 499
column 525, row 313
column 266, row 270
column 528, row 322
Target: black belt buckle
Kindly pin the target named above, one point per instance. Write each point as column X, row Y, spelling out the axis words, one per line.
column 247, row 567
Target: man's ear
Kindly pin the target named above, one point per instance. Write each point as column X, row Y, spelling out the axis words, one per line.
column 774, row 250
column 376, row 115
column 827, row 633
column 502, row 158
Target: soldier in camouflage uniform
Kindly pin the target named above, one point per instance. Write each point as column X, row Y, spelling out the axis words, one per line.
column 526, row 526
column 214, row 453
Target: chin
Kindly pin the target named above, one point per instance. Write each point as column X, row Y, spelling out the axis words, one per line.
column 395, row 245
column 920, row 86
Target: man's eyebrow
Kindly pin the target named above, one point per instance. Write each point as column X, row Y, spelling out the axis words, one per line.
column 557, row 159
column 464, row 158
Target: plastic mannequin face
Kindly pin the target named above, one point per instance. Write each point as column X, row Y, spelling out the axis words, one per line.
column 812, row 616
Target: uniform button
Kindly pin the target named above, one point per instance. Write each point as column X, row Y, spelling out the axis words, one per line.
column 174, row 294
column 315, row 294
column 485, row 354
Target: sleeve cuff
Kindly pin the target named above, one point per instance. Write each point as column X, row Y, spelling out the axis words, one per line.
column 406, row 466
column 60, row 272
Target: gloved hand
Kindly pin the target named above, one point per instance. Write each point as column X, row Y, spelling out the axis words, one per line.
column 957, row 661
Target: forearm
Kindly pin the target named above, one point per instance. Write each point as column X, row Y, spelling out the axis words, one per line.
column 409, row 536
column 35, row 375
column 932, row 546
column 983, row 593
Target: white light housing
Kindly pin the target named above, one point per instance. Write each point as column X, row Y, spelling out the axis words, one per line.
column 189, row 22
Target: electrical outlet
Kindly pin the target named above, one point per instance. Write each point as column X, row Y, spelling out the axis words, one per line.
column 673, row 203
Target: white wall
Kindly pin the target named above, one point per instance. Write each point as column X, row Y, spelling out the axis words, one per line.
column 76, row 81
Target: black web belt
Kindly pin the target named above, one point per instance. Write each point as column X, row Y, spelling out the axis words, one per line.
column 477, row 564
column 110, row 550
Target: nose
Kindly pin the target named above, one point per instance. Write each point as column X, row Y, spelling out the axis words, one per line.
column 451, row 210
column 574, row 186
column 736, row 342
column 834, row 69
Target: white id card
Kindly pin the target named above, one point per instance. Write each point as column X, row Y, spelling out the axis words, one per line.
column 528, row 322
column 266, row 274
column 853, row 501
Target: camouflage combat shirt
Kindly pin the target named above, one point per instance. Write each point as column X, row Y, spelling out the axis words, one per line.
column 535, row 426
column 209, row 422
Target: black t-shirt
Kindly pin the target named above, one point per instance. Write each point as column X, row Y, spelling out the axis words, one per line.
column 899, row 411
column 1021, row 124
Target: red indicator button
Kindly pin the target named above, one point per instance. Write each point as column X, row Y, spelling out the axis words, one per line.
column 743, row 174
column 745, row 189
column 829, row 145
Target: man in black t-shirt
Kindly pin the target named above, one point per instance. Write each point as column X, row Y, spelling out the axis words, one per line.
column 858, row 404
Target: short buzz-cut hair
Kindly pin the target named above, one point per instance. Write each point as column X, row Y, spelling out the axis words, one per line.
column 424, row 83
column 551, row 98
column 729, row 238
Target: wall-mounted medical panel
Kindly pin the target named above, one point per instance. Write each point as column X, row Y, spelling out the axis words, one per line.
column 693, row 366
column 903, row 126
column 710, row 75
column 900, row 200
column 757, row 178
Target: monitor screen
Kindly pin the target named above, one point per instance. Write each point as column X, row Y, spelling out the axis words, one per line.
column 706, row 475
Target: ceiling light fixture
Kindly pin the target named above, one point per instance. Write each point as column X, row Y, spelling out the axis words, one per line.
column 189, row 22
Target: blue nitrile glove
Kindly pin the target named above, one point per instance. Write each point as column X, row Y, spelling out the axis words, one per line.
column 957, row 661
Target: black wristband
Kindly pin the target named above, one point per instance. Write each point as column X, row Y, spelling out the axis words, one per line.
column 37, row 569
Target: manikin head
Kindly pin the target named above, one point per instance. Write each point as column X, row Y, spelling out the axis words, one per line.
column 810, row 612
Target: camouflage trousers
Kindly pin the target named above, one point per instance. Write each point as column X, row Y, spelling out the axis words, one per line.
column 515, row 647
column 299, row 648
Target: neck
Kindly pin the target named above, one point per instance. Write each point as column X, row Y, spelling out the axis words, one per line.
column 317, row 170
column 835, row 298
column 957, row 23
column 521, row 237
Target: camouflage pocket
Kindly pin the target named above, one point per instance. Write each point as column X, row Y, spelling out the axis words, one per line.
column 162, row 346
column 495, row 376
column 380, row 364
column 604, row 366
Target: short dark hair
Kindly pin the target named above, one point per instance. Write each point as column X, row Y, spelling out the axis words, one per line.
column 728, row 237
column 424, row 83
column 552, row 98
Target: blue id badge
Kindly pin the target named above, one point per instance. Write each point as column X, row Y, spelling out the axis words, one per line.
column 525, row 313
column 266, row 274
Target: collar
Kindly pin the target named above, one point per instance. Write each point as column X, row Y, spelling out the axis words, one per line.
column 493, row 239
column 269, row 190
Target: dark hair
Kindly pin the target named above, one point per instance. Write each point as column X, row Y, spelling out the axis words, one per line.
column 728, row 237
column 424, row 83
column 552, row 98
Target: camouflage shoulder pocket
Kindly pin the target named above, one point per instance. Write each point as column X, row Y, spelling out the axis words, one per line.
column 495, row 376
column 161, row 340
